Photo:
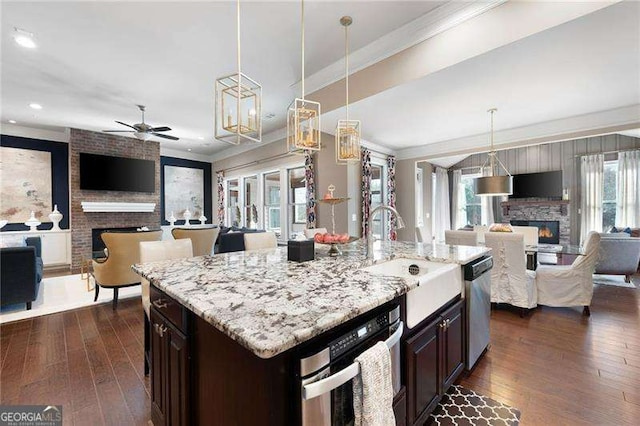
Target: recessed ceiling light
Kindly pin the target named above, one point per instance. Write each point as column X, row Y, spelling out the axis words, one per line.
column 12, row 121
column 201, row 138
column 189, row 149
column 35, row 106
column 24, row 38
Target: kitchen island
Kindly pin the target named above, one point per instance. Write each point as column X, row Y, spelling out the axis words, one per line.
column 235, row 323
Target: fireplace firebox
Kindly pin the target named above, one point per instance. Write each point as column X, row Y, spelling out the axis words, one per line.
column 548, row 230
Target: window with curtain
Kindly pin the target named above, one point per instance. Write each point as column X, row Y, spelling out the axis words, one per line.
column 609, row 194
column 250, row 205
column 474, row 210
column 378, row 190
column 233, row 213
column 297, row 196
column 272, row 202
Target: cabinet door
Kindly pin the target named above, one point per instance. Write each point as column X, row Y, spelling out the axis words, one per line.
column 54, row 248
column 159, row 363
column 453, row 344
column 178, row 358
column 422, row 368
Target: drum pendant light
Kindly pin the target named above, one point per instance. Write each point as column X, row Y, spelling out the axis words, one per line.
column 303, row 117
column 238, row 103
column 347, row 131
column 493, row 185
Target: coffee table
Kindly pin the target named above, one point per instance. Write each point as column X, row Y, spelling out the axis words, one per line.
column 564, row 254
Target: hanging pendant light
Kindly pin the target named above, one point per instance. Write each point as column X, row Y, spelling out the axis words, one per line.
column 493, row 185
column 238, row 100
column 303, row 117
column 347, row 131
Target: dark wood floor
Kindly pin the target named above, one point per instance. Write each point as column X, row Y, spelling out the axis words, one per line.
column 88, row 360
column 560, row 368
column 556, row 366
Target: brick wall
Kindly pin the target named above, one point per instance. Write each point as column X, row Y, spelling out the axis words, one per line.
column 81, row 222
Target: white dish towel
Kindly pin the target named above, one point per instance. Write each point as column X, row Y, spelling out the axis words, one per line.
column 372, row 388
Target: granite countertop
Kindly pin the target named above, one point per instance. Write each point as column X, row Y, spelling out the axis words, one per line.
column 269, row 305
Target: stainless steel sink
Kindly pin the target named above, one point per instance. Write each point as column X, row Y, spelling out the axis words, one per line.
column 438, row 283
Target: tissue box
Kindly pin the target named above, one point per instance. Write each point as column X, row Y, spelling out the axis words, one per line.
column 301, row 251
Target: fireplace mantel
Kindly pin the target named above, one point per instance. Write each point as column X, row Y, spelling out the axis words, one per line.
column 101, row 206
column 506, row 205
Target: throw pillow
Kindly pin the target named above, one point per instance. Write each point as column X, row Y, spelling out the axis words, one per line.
column 627, row 230
column 500, row 227
column 12, row 241
column 613, row 230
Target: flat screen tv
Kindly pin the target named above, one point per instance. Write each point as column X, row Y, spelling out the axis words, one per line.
column 106, row 173
column 542, row 185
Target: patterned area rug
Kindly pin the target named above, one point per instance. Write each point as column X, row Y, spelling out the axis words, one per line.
column 461, row 406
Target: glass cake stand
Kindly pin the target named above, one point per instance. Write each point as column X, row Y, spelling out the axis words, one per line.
column 334, row 250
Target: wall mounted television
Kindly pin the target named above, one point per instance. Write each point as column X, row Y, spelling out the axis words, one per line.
column 542, row 185
column 106, row 173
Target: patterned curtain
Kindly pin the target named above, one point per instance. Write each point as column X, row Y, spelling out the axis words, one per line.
column 220, row 181
column 391, row 194
column 366, row 190
column 310, row 178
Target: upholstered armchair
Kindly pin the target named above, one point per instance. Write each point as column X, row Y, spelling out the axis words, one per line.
column 570, row 285
column 460, row 238
column 202, row 239
column 260, row 240
column 123, row 250
column 153, row 251
column 511, row 282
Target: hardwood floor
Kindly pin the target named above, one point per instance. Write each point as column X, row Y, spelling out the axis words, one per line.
column 555, row 365
column 89, row 360
column 560, row 368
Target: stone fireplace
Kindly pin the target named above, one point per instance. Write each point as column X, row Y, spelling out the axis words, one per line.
column 550, row 216
column 82, row 223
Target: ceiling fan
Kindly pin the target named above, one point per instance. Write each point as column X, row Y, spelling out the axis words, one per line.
column 143, row 131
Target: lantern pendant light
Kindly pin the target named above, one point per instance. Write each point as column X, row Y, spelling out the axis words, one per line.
column 347, row 131
column 493, row 185
column 303, row 117
column 238, row 104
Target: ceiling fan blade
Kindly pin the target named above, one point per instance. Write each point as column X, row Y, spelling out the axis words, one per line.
column 125, row 124
column 173, row 138
column 119, row 131
column 160, row 129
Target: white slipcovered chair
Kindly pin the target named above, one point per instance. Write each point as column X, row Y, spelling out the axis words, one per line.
column 310, row 233
column 481, row 230
column 153, row 251
column 530, row 234
column 260, row 240
column 570, row 285
column 461, row 238
column 511, row 282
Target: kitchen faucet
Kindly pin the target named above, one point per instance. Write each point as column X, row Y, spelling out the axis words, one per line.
column 399, row 225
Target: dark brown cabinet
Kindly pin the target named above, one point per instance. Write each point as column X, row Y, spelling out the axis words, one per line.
column 434, row 358
column 169, row 372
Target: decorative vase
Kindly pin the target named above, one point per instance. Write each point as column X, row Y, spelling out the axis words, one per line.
column 32, row 223
column 55, row 217
column 186, row 215
column 202, row 219
column 172, row 220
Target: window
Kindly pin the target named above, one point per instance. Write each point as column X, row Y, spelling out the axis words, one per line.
column 233, row 208
column 472, row 203
column 251, row 202
column 610, row 190
column 378, row 190
column 272, row 202
column 297, row 196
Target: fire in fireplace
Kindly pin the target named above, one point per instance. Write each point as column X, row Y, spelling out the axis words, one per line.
column 548, row 230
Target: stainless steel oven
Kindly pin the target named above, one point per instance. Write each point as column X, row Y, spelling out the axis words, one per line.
column 326, row 376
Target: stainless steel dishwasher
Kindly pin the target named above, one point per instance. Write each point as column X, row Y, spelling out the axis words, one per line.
column 477, row 291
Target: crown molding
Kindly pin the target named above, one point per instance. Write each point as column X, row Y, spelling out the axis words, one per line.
column 576, row 127
column 422, row 28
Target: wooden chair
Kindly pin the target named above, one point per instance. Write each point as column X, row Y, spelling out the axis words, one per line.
column 123, row 250
column 202, row 239
column 152, row 251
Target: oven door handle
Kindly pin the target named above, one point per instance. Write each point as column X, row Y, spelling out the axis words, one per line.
column 328, row 384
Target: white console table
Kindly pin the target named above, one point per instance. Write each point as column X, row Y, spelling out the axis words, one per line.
column 56, row 245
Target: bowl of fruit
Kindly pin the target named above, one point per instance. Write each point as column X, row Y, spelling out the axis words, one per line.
column 334, row 240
